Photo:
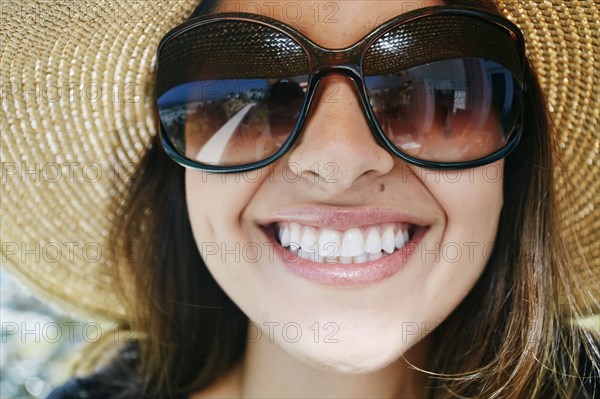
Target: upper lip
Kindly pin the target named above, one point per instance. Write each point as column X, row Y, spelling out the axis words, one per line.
column 343, row 218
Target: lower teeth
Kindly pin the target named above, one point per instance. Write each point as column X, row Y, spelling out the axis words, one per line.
column 313, row 256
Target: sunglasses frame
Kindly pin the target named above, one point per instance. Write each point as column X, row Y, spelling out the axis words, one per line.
column 348, row 61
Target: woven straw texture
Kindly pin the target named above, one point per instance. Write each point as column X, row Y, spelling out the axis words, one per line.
column 563, row 42
column 77, row 84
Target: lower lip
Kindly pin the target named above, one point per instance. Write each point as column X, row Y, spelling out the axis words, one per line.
column 354, row 274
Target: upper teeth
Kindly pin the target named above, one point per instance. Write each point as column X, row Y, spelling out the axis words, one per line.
column 350, row 246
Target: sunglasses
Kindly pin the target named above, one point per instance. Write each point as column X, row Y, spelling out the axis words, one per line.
column 440, row 87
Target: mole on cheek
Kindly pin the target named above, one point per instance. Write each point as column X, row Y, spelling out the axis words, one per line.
column 381, row 187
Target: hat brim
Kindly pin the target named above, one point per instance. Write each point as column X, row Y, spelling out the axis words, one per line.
column 78, row 88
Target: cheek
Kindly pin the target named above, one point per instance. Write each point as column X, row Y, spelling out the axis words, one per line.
column 197, row 204
column 215, row 202
column 471, row 201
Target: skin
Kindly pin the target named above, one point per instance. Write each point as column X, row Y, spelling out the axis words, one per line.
column 380, row 327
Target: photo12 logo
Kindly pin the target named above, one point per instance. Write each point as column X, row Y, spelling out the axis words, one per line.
column 292, row 332
column 66, row 331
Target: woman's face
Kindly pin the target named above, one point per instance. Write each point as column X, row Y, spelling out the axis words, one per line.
column 355, row 317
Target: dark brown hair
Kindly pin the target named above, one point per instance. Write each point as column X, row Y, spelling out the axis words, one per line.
column 510, row 337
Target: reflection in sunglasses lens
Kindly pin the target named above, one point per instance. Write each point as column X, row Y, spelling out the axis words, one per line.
column 230, row 122
column 453, row 110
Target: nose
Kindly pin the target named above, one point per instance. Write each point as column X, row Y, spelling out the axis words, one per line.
column 336, row 145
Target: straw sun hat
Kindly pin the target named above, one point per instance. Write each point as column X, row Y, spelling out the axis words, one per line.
column 77, row 84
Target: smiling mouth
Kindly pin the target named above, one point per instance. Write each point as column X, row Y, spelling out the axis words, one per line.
column 351, row 246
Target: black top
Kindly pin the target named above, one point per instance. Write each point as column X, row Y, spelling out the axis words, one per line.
column 114, row 381
column 91, row 387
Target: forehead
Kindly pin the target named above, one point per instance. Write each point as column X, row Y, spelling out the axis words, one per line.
column 332, row 24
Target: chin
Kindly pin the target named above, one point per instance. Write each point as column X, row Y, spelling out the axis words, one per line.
column 349, row 358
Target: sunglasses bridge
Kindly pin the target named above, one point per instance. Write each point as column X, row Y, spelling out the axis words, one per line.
column 345, row 62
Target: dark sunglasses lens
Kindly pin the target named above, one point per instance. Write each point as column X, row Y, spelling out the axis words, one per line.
column 230, row 92
column 447, row 111
column 455, row 109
